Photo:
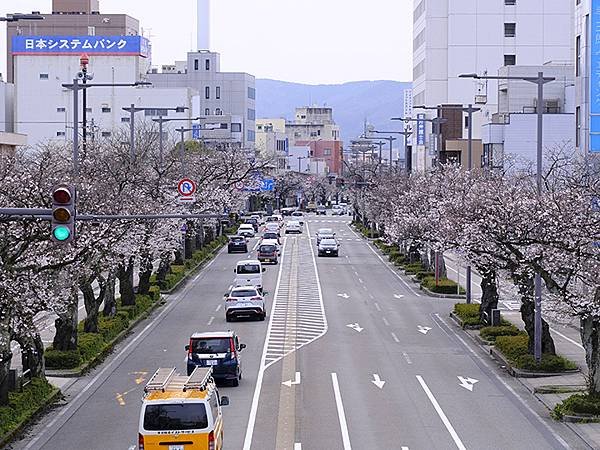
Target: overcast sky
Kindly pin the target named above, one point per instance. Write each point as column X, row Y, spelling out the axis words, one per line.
column 310, row 41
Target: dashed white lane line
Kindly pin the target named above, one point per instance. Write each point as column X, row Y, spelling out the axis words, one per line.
column 407, row 358
column 210, row 321
column 360, row 281
column 297, row 446
column 385, row 321
column 395, row 338
column 440, row 413
column 341, row 413
column 377, row 307
column 218, row 308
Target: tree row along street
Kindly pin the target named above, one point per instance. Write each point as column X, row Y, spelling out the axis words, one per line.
column 358, row 372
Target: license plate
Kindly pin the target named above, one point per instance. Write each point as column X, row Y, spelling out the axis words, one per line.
column 176, row 447
column 211, row 362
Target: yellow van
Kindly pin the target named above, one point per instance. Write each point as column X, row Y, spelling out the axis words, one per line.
column 181, row 412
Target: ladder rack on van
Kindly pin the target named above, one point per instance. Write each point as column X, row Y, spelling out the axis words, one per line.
column 199, row 379
column 160, row 380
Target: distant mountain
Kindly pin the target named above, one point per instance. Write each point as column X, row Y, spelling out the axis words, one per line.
column 352, row 102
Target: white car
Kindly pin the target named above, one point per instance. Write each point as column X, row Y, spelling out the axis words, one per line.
column 337, row 210
column 299, row 216
column 249, row 273
column 272, row 227
column 246, row 230
column 325, row 233
column 293, row 226
column 244, row 301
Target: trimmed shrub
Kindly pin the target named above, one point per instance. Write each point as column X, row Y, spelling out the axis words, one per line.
column 491, row 333
column 549, row 363
column 23, row 405
column 513, row 346
column 412, row 269
column 56, row 359
column 89, row 345
column 154, row 293
column 466, row 311
column 426, row 274
column 444, row 286
column 578, row 404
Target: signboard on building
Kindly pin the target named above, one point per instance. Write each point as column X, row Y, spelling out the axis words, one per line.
column 196, row 131
column 77, row 45
column 595, row 77
column 420, row 129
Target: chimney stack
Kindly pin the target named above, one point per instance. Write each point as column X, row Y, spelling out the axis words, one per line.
column 203, row 25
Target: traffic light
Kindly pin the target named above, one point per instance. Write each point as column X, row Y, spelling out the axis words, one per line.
column 63, row 213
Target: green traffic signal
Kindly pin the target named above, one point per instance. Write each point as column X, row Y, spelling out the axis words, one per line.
column 61, row 233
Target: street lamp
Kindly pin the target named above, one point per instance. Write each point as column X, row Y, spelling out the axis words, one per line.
column 183, row 130
column 391, row 139
column 162, row 120
column 540, row 80
column 436, row 122
column 76, row 87
column 132, row 110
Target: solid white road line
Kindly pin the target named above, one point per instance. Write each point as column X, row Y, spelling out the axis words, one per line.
column 395, row 337
column 341, row 413
column 385, row 321
column 567, row 338
column 440, row 413
column 297, row 446
column 210, row 321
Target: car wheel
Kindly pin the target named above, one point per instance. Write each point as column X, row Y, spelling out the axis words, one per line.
column 227, row 318
column 262, row 317
column 235, row 382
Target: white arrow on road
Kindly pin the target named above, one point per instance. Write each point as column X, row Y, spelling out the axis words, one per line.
column 398, row 296
column 377, row 381
column 467, row 383
column 355, row 326
column 289, row 383
column 423, row 330
column 344, row 295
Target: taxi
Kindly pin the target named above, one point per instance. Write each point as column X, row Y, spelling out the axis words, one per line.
column 181, row 412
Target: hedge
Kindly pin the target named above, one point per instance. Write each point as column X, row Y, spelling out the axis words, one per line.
column 414, row 268
column 24, row 404
column 491, row 333
column 444, row 285
column 515, row 349
column 578, row 404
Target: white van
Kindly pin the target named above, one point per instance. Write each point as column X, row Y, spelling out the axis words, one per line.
column 249, row 273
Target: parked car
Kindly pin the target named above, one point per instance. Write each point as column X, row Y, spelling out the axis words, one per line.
column 293, row 226
column 244, row 301
column 328, row 247
column 299, row 216
column 325, row 233
column 267, row 252
column 321, row 210
column 237, row 244
column 246, row 230
column 219, row 350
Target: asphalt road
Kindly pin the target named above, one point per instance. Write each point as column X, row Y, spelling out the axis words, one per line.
column 351, row 356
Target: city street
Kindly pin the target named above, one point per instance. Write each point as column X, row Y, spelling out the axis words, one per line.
column 351, row 356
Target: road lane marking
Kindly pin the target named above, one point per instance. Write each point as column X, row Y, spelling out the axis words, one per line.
column 377, row 381
column 210, row 321
column 467, row 382
column 360, row 281
column 407, row 358
column 566, row 338
column 377, row 307
column 440, row 413
column 218, row 308
column 385, row 321
column 297, row 446
column 395, row 337
column 341, row 413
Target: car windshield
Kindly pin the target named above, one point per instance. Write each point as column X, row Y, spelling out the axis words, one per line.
column 244, row 293
column 328, row 242
column 175, row 417
column 238, row 239
column 325, row 231
column 271, row 219
column 266, row 248
column 270, row 236
column 297, row 214
column 211, row 345
column 248, row 268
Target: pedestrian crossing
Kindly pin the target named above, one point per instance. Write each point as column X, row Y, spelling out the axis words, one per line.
column 298, row 316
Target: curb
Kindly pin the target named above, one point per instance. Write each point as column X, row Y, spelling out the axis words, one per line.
column 435, row 294
column 522, row 373
column 79, row 371
column 48, row 401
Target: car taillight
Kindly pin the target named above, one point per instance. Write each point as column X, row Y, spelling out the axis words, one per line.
column 211, row 440
column 255, row 299
column 230, row 299
column 189, row 350
column 140, row 442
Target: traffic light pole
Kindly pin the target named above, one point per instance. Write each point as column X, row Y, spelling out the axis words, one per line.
column 75, row 128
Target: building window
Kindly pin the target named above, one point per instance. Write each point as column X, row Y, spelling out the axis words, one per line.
column 106, row 134
column 207, row 64
column 578, row 56
column 218, row 93
column 105, row 109
column 91, row 31
column 207, row 112
column 60, row 134
column 236, row 127
column 577, row 126
column 218, row 112
column 251, row 93
column 88, row 110
column 207, row 92
column 43, row 76
column 60, row 110
column 125, row 120
column 251, row 136
column 510, row 60
column 510, row 29
column 510, row 2
column 251, row 114
column 318, row 132
column 327, row 152
column 466, row 122
column 196, row 64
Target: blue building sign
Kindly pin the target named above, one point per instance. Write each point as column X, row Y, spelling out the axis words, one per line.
column 594, row 40
column 76, row 45
column 196, row 131
column 420, row 129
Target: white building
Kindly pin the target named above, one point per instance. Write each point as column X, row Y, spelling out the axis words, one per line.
column 44, row 108
column 271, row 141
column 313, row 124
column 221, row 93
column 473, row 36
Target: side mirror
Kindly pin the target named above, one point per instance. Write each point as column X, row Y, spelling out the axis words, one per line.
column 224, row 401
column 242, row 346
column 233, row 270
column 264, row 269
column 187, row 348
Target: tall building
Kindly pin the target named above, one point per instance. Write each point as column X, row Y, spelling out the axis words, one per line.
column 271, row 141
column 221, row 93
column 70, row 18
column 472, row 36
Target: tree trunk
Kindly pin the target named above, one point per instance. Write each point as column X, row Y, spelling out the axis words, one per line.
column 5, row 358
column 178, row 257
column 92, row 303
column 590, row 338
column 525, row 285
column 65, row 338
column 188, row 248
column 110, row 301
column 163, row 268
column 489, row 293
column 32, row 354
column 146, row 269
column 125, row 275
